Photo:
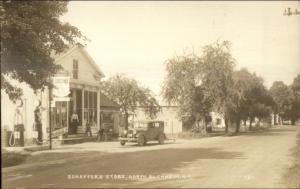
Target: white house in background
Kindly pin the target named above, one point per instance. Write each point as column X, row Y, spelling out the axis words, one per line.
column 168, row 114
column 217, row 120
column 85, row 76
column 173, row 123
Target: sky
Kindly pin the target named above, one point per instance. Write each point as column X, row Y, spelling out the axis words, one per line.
column 136, row 38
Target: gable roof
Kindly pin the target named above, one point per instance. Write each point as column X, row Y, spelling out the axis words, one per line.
column 84, row 53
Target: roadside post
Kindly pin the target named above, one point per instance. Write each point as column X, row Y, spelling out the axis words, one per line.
column 59, row 92
column 50, row 130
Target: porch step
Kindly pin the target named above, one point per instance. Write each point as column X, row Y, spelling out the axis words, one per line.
column 75, row 135
column 75, row 139
column 80, row 130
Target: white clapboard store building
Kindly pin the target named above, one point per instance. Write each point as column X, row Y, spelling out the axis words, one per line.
column 83, row 76
column 167, row 114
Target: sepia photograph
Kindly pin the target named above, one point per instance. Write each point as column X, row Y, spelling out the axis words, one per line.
column 150, row 94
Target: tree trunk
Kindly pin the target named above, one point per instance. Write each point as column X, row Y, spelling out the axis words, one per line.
column 293, row 121
column 204, row 127
column 275, row 119
column 226, row 124
column 245, row 122
column 196, row 126
column 237, row 126
column 126, row 121
column 280, row 120
column 250, row 126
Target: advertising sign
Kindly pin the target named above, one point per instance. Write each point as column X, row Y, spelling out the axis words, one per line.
column 59, row 132
column 61, row 88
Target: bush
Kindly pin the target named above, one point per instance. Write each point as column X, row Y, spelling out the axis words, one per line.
column 12, row 158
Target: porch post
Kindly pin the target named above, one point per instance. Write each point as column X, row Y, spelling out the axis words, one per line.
column 82, row 112
column 68, row 109
column 98, row 108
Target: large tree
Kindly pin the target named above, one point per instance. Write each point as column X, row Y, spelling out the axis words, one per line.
column 250, row 98
column 217, row 66
column 130, row 95
column 294, row 113
column 200, row 83
column 30, row 32
column 182, row 87
column 283, row 98
column 180, row 84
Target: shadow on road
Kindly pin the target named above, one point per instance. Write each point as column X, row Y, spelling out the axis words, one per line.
column 155, row 162
column 268, row 132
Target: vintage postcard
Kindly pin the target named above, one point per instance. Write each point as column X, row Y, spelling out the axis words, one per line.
column 150, row 94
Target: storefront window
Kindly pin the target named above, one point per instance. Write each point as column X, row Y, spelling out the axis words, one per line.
column 90, row 107
column 59, row 115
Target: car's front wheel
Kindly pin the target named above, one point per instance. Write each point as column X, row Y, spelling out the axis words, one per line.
column 122, row 142
column 141, row 140
column 161, row 139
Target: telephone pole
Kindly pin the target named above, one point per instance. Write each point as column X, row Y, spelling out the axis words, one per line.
column 289, row 12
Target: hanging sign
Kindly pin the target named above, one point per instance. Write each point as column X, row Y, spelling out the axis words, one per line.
column 52, row 104
column 61, row 99
column 61, row 88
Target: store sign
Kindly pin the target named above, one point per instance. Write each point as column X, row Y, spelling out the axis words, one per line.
column 52, row 104
column 61, row 99
column 61, row 88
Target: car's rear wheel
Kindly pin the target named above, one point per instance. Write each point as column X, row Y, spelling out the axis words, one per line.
column 161, row 139
column 141, row 140
column 122, row 142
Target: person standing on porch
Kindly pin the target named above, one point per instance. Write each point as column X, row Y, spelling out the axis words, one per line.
column 74, row 122
column 38, row 123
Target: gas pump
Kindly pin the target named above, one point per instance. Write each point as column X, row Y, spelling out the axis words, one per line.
column 17, row 135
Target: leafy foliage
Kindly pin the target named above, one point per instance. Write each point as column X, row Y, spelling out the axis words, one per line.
column 30, row 32
column 129, row 95
column 283, row 97
column 180, row 83
column 200, row 83
column 203, row 83
column 217, row 66
column 295, row 110
column 250, row 98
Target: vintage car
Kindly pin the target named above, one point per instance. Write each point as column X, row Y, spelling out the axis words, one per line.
column 143, row 132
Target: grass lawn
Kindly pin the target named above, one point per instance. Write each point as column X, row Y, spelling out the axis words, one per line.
column 292, row 176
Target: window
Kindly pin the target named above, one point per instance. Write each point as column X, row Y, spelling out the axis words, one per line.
column 151, row 125
column 59, row 115
column 218, row 121
column 75, row 69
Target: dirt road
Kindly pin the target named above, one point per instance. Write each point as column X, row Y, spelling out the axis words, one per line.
column 256, row 160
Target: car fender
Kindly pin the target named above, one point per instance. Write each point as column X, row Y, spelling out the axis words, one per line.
column 165, row 135
column 140, row 134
